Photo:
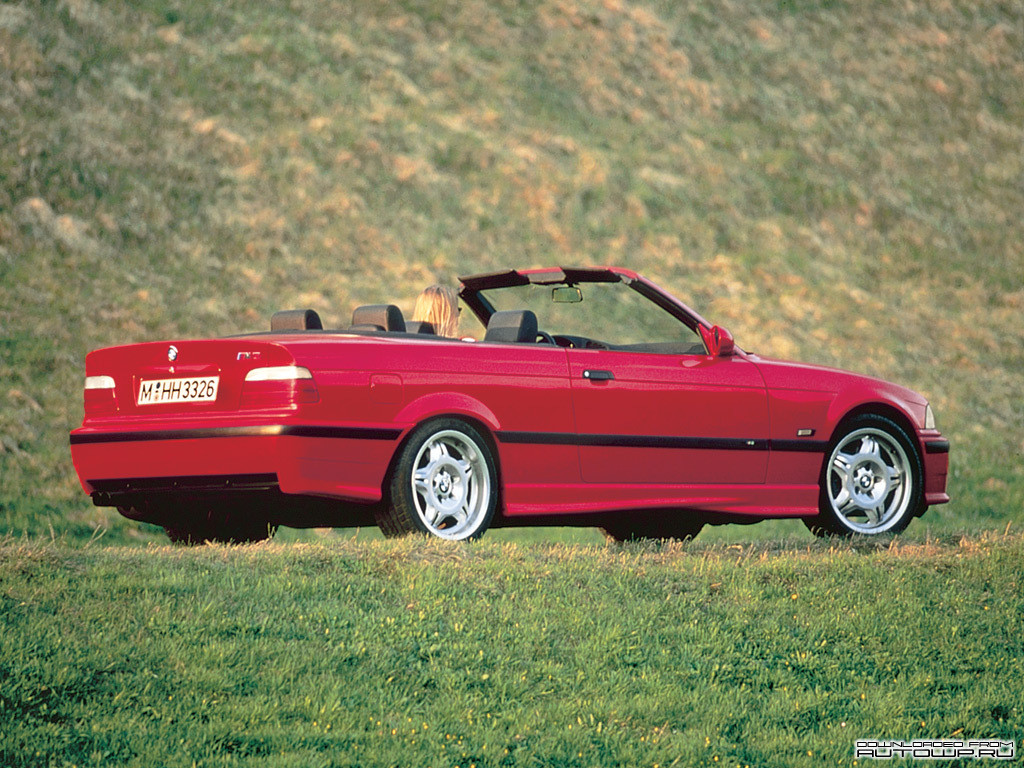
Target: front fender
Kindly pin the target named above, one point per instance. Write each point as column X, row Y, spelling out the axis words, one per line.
column 886, row 399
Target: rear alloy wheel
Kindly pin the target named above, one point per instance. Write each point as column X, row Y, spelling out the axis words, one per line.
column 871, row 482
column 444, row 484
column 650, row 527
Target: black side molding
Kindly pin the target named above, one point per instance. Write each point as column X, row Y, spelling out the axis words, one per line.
column 937, row 446
column 269, row 430
column 663, row 441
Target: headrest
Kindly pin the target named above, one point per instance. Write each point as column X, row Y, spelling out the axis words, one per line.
column 515, row 325
column 420, row 326
column 386, row 317
column 296, row 320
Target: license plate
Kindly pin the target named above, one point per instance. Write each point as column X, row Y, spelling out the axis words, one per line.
column 197, row 390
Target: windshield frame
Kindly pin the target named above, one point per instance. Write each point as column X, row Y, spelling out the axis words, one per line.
column 473, row 287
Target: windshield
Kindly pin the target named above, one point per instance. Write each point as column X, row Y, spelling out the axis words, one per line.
column 611, row 315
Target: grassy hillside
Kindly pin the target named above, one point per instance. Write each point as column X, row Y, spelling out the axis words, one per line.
column 381, row 655
column 835, row 181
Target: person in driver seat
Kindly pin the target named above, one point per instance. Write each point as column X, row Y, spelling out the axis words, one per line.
column 439, row 306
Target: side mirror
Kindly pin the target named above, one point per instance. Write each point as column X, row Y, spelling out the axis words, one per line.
column 719, row 341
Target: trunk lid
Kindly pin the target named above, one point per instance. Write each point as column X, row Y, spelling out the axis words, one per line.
column 181, row 377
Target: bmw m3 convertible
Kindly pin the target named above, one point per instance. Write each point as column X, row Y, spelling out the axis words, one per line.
column 594, row 398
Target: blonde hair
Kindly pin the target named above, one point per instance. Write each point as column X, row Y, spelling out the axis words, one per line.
column 439, row 306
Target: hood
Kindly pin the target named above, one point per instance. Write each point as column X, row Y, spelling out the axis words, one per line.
column 785, row 374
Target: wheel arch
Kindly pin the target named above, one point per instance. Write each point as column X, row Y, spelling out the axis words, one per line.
column 895, row 415
column 447, row 404
column 821, row 524
column 886, row 410
column 478, row 423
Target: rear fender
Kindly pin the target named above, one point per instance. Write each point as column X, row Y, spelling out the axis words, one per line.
column 447, row 404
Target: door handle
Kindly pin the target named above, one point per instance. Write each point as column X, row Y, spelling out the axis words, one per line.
column 598, row 375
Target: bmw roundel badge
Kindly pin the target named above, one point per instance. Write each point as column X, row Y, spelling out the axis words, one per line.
column 172, row 353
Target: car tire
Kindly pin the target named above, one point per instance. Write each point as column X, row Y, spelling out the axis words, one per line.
column 667, row 525
column 444, row 483
column 871, row 480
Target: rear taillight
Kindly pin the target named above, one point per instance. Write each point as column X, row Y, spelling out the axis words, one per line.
column 278, row 386
column 99, row 396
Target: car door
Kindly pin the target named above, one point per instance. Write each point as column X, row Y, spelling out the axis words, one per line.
column 668, row 419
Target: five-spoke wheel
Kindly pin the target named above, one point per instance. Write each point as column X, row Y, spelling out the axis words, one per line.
column 444, row 483
column 871, row 480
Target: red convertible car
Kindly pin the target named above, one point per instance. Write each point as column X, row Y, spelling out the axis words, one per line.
column 594, row 398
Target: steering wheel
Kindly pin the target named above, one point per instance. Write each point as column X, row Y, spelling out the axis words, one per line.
column 545, row 337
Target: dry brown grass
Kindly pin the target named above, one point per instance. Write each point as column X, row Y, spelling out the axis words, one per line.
column 835, row 182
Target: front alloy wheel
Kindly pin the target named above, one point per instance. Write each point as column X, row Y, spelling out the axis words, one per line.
column 871, row 480
column 444, row 484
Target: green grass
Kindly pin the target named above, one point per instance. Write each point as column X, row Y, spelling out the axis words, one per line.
column 488, row 654
column 835, row 183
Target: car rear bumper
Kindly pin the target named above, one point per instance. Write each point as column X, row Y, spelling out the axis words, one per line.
column 313, row 460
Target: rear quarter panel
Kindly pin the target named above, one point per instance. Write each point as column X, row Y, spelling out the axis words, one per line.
column 390, row 382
